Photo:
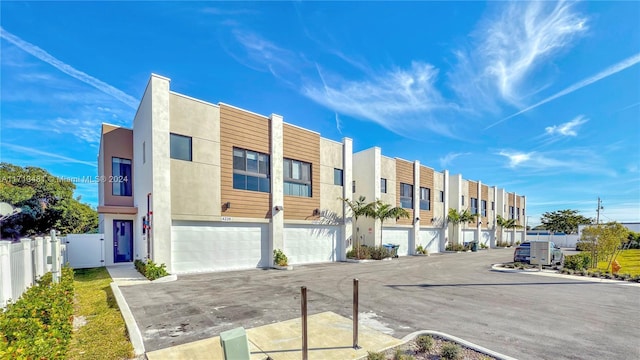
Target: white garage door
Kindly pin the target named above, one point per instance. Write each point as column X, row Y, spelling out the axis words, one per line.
column 468, row 235
column 430, row 240
column 206, row 246
column 485, row 237
column 305, row 244
column 398, row 236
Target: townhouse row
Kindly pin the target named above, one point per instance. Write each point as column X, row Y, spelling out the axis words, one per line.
column 205, row 187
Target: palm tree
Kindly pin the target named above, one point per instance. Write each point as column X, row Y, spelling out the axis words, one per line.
column 382, row 212
column 358, row 208
column 457, row 218
column 502, row 224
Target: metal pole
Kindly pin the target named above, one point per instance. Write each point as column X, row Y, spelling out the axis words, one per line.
column 355, row 314
column 303, row 300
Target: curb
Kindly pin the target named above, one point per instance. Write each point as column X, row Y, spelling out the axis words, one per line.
column 462, row 342
column 553, row 273
column 132, row 327
column 165, row 279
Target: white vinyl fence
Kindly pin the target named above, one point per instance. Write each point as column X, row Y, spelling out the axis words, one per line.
column 563, row 240
column 23, row 262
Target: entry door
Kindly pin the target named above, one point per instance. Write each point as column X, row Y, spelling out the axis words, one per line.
column 122, row 241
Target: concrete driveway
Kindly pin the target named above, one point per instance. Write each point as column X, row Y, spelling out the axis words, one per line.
column 524, row 316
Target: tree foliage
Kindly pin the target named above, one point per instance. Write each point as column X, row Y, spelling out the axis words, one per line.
column 565, row 221
column 381, row 211
column 605, row 240
column 46, row 203
column 460, row 217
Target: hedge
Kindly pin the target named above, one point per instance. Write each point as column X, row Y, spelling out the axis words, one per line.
column 39, row 324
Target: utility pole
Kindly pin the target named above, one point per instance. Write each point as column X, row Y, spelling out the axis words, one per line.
column 598, row 211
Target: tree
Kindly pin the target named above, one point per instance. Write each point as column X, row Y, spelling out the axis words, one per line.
column 503, row 224
column 565, row 221
column 46, row 202
column 381, row 211
column 457, row 218
column 358, row 208
column 605, row 241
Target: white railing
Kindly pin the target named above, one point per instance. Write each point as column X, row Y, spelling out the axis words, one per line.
column 23, row 262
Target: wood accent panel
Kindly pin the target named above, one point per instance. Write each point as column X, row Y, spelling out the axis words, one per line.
column 302, row 145
column 249, row 131
column 404, row 174
column 427, row 181
column 473, row 190
column 484, row 194
column 116, row 142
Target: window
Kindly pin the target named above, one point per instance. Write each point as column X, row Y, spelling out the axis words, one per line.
column 441, row 196
column 474, row 205
column 462, row 200
column 251, row 170
column 493, row 205
column 180, row 147
column 121, row 180
column 512, row 215
column 406, row 196
column 144, row 152
column 353, row 186
column 383, row 185
column 483, row 208
column 518, row 212
column 337, row 177
column 425, row 197
column 297, row 178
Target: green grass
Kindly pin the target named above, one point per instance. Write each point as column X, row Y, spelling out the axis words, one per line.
column 629, row 261
column 105, row 335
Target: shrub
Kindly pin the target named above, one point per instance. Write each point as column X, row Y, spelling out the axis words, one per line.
column 577, row 262
column 624, row 277
column 379, row 253
column 425, row 343
column 450, row 351
column 421, row 250
column 483, row 246
column 400, row 355
column 279, row 258
column 456, row 247
column 375, row 356
column 39, row 325
column 150, row 269
column 364, row 253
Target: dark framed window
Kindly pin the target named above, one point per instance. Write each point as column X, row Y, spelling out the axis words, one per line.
column 297, row 178
column 518, row 212
column 474, row 205
column 512, row 214
column 121, row 176
column 338, row 177
column 493, row 205
column 441, row 196
column 425, row 199
column 483, row 207
column 406, row 196
column 383, row 185
column 251, row 170
column 462, row 200
column 353, row 186
column 180, row 147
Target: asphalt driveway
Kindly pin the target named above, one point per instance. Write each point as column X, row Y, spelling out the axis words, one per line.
column 524, row 316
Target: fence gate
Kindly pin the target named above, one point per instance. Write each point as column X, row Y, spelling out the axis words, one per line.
column 85, row 250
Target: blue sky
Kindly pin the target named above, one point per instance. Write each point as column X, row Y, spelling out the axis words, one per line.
column 539, row 98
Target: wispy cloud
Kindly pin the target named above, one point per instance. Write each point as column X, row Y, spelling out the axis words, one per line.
column 227, row 12
column 398, row 99
column 516, row 158
column 510, row 46
column 32, row 151
column 68, row 69
column 568, row 128
column 338, row 124
column 446, row 160
column 614, row 69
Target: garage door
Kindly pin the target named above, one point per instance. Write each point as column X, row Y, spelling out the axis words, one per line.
column 201, row 247
column 430, row 240
column 485, row 237
column 399, row 236
column 305, row 244
column 468, row 235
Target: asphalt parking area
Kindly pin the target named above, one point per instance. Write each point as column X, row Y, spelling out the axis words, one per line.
column 524, row 316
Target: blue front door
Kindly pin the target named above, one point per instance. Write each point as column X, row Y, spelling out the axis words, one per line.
column 122, row 241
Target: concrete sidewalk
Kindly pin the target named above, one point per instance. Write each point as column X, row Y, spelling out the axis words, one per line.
column 126, row 275
column 330, row 337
